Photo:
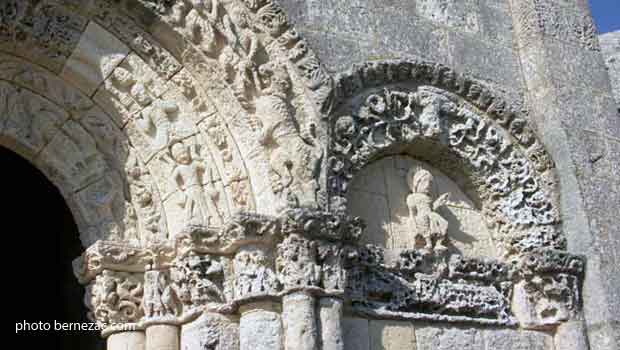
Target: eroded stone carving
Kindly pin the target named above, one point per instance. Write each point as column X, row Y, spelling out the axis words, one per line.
column 416, row 284
column 254, row 273
column 504, row 158
column 429, row 228
column 115, row 298
column 550, row 289
column 296, row 263
column 190, row 174
column 161, row 302
column 200, row 282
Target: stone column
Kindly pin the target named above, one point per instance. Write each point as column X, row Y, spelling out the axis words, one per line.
column 299, row 273
column 260, row 327
column 162, row 309
column 330, row 318
column 256, row 285
column 162, row 337
column 127, row 340
column 300, row 321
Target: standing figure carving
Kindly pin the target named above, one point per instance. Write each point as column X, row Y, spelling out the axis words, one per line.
column 187, row 175
column 429, row 228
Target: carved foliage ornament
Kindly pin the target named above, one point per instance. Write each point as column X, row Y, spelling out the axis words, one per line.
column 115, row 298
column 486, row 136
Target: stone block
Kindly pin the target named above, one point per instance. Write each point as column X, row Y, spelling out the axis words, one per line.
column 211, row 331
column 511, row 339
column 93, row 60
column 438, row 337
column 391, row 335
column 356, row 334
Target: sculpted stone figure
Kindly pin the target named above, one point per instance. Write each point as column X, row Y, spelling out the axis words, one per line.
column 187, row 175
column 239, row 57
column 299, row 159
column 160, row 299
column 156, row 123
column 430, row 229
column 135, row 89
column 201, row 23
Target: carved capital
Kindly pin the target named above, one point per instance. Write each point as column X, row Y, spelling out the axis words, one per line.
column 115, row 300
column 317, row 224
column 161, row 303
column 297, row 263
column 254, row 274
column 549, row 291
column 203, row 283
column 121, row 256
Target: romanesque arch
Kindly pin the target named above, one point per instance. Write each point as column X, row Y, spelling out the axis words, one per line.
column 427, row 112
column 207, row 156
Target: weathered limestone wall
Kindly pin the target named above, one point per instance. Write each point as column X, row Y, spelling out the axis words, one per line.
column 610, row 46
column 571, row 102
column 470, row 36
column 363, row 334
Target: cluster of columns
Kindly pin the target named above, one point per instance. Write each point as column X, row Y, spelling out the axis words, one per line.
column 281, row 295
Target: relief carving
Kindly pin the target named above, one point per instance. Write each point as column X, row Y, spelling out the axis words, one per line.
column 550, row 289
column 294, row 161
column 161, row 302
column 510, row 188
column 115, row 298
column 296, row 263
column 254, row 273
column 430, row 229
column 142, row 194
column 200, row 281
column 189, row 174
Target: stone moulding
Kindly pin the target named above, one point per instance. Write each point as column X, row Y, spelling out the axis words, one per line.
column 266, row 258
column 455, row 123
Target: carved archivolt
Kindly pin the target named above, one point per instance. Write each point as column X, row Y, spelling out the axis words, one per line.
column 153, row 158
column 456, row 124
column 230, row 81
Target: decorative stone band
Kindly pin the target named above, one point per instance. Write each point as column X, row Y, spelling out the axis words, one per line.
column 253, row 258
column 417, row 285
column 258, row 259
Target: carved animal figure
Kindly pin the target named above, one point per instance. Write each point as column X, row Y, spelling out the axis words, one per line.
column 291, row 157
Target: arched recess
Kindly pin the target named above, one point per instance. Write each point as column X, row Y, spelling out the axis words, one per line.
column 36, row 216
column 231, row 81
column 453, row 123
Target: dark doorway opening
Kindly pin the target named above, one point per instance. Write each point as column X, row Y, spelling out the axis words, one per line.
column 40, row 241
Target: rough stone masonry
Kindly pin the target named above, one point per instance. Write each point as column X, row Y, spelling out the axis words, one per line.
column 328, row 175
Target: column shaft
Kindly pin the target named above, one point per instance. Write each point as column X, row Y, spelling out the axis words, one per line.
column 127, row 341
column 162, row 337
column 330, row 318
column 300, row 322
column 260, row 327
